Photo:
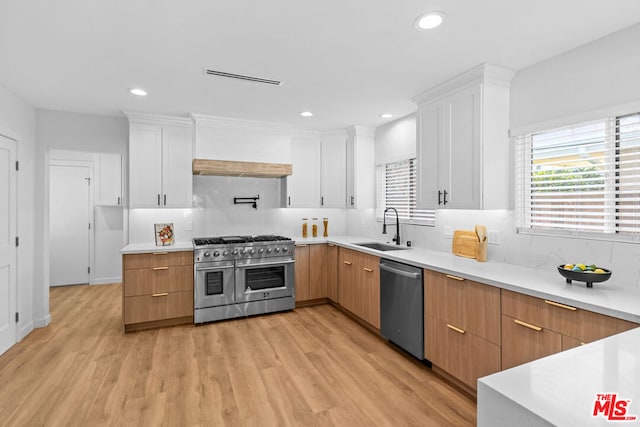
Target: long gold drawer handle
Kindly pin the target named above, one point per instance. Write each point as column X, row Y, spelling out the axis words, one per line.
column 455, row 277
column 368, row 270
column 557, row 304
column 301, row 246
column 160, row 253
column 164, row 294
column 347, row 262
column 458, row 330
column 527, row 325
column 160, row 268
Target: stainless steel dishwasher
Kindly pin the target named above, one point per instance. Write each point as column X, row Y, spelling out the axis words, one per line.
column 401, row 306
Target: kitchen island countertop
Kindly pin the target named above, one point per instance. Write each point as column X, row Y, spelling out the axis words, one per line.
column 141, row 248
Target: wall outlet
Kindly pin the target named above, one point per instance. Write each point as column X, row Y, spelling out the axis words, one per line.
column 188, row 226
column 493, row 237
column 448, row 231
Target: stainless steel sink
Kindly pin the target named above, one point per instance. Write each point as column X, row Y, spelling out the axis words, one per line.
column 382, row 246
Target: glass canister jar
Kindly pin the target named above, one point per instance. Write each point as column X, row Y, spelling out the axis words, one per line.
column 314, row 227
column 305, row 228
column 325, row 223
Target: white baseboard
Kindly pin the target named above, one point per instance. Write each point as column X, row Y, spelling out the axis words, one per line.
column 106, row 280
column 24, row 331
column 41, row 323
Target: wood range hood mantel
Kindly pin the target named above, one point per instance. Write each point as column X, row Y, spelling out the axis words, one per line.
column 235, row 168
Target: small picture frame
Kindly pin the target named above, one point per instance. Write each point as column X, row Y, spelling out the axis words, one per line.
column 164, row 234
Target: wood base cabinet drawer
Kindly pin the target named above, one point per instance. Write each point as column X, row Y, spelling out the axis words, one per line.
column 157, row 259
column 461, row 354
column 523, row 342
column 160, row 306
column 143, row 281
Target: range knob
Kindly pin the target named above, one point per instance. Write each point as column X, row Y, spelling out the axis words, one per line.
column 276, row 250
column 261, row 250
column 285, row 249
column 243, row 251
column 268, row 250
column 234, row 252
column 225, row 253
column 252, row 251
column 206, row 254
column 216, row 253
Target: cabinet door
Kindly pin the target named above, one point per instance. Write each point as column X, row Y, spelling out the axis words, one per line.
column 318, row 271
column 145, row 166
column 333, row 172
column 351, row 173
column 522, row 343
column 302, row 272
column 460, row 176
column 429, row 155
column 347, row 270
column 332, row 272
column 177, row 158
column 303, row 186
column 109, row 174
column 370, row 288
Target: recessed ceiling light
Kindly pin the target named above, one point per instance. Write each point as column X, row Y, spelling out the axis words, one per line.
column 306, row 114
column 386, row 115
column 429, row 20
column 138, row 92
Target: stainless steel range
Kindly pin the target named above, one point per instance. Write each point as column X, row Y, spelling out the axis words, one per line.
column 238, row 276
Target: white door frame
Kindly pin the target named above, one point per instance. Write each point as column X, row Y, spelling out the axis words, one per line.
column 13, row 222
column 70, row 163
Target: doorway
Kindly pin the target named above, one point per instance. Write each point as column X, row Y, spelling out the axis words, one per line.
column 8, row 251
column 70, row 222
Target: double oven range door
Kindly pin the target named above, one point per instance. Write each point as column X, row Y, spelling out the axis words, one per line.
column 264, row 279
column 214, row 284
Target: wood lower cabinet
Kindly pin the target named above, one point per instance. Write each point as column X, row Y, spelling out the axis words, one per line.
column 332, row 273
column 461, row 326
column 534, row 327
column 311, row 272
column 359, row 278
column 157, row 289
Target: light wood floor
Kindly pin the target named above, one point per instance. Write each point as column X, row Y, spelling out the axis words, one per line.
column 312, row 366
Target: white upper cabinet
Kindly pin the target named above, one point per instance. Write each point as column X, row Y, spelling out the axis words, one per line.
column 360, row 167
column 463, row 144
column 109, row 179
column 160, row 158
column 319, row 170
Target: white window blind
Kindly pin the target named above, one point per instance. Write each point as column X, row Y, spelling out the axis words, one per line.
column 582, row 179
column 396, row 188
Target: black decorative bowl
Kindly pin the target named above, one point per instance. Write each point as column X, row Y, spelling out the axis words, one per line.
column 584, row 276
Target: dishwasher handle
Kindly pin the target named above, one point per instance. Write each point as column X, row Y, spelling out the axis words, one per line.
column 399, row 272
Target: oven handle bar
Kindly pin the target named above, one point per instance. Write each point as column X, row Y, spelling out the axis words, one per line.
column 206, row 267
column 262, row 264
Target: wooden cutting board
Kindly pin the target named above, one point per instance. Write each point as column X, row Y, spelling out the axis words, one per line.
column 465, row 243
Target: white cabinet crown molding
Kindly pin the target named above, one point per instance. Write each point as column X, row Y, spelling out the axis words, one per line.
column 155, row 119
column 229, row 123
column 490, row 73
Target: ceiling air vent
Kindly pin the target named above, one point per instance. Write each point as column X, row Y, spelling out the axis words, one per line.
column 243, row 77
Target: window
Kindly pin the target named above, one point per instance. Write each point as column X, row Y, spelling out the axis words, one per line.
column 396, row 188
column 581, row 180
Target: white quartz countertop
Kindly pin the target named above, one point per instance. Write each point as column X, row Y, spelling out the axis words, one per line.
column 561, row 390
column 140, row 248
column 610, row 298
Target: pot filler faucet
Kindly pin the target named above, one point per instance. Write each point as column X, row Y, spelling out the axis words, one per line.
column 396, row 238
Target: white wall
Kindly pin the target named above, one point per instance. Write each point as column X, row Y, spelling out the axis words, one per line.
column 18, row 121
column 89, row 133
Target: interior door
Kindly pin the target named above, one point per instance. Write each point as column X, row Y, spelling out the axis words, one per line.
column 69, row 224
column 8, row 200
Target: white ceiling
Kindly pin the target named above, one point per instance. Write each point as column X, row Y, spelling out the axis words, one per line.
column 345, row 60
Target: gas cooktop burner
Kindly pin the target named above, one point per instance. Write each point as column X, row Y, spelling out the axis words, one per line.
column 222, row 240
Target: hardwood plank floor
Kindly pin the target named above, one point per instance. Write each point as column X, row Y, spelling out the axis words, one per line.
column 311, row 366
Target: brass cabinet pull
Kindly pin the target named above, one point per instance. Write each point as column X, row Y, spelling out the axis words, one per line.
column 368, row 270
column 347, row 262
column 458, row 330
column 160, row 268
column 160, row 253
column 302, row 246
column 455, row 277
column 557, row 304
column 164, row 294
column 527, row 325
